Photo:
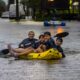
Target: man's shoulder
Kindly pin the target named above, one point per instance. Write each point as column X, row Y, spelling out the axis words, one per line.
column 51, row 40
column 27, row 39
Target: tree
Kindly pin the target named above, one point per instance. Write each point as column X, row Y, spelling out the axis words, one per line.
column 47, row 8
column 2, row 6
column 61, row 4
column 31, row 3
column 34, row 4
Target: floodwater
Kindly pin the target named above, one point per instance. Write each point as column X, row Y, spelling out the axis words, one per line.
column 64, row 69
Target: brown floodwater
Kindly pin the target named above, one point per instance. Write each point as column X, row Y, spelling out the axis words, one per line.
column 64, row 69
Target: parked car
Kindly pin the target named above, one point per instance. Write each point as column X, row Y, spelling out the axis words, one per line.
column 5, row 14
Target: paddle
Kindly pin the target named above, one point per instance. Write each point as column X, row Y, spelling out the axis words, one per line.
column 63, row 34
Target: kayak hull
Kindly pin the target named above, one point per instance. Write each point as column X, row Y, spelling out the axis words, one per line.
column 47, row 55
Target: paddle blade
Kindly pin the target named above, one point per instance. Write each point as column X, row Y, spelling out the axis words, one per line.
column 63, row 34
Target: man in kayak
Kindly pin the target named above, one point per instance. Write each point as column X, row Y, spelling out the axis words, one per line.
column 28, row 42
column 50, row 43
column 37, row 47
column 45, row 43
column 58, row 43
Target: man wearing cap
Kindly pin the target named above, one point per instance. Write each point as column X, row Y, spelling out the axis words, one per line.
column 50, row 43
column 28, row 42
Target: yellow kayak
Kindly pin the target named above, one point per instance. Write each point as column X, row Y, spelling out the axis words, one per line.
column 47, row 55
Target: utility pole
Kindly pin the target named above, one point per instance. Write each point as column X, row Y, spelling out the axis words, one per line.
column 17, row 10
column 79, row 10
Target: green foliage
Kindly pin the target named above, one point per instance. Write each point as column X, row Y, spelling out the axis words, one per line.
column 48, row 13
column 38, row 14
column 24, row 2
column 2, row 6
column 31, row 3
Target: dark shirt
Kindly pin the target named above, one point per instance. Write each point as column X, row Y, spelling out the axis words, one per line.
column 24, row 44
column 50, row 44
column 27, row 43
column 37, row 44
column 59, row 48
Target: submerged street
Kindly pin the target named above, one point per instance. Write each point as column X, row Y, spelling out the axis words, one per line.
column 65, row 69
